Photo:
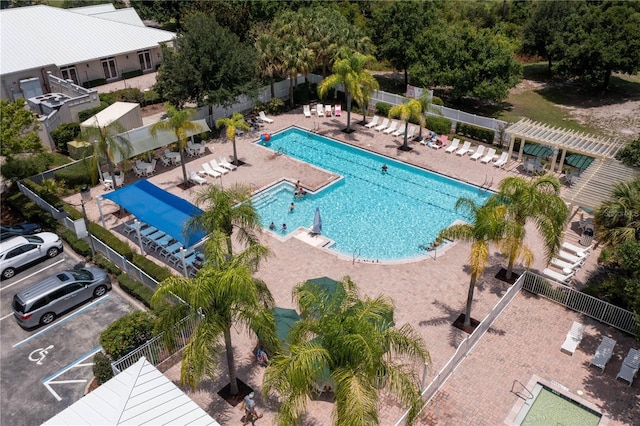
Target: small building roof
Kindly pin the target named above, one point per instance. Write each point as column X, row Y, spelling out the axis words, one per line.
column 36, row 36
column 139, row 395
column 110, row 114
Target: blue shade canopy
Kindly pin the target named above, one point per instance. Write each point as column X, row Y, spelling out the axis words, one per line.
column 159, row 208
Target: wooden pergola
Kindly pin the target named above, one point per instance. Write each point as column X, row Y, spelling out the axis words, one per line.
column 561, row 141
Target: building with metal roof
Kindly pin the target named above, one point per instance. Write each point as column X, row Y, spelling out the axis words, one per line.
column 89, row 45
column 139, row 395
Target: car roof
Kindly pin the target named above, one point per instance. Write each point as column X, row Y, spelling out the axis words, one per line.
column 45, row 286
column 12, row 243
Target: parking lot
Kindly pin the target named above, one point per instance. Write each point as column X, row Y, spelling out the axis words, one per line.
column 46, row 369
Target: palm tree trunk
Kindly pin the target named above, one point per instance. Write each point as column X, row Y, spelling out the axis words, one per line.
column 406, row 131
column 272, row 85
column 235, row 152
column 229, row 245
column 231, row 365
column 114, row 182
column 348, row 112
column 291, row 90
column 467, row 310
column 184, row 167
column 512, row 260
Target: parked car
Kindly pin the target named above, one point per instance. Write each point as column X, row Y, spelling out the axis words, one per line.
column 20, row 251
column 8, row 231
column 45, row 300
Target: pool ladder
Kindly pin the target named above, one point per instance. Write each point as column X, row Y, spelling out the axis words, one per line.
column 519, row 393
column 281, row 151
column 486, row 184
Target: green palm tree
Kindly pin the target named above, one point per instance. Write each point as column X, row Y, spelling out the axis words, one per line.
column 411, row 110
column 485, row 227
column 350, row 72
column 226, row 210
column 426, row 102
column 296, row 58
column 233, row 123
column 352, row 344
column 267, row 47
column 223, row 294
column 178, row 121
column 108, row 143
column 537, row 200
column 618, row 219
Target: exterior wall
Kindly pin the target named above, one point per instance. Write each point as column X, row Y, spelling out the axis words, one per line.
column 10, row 88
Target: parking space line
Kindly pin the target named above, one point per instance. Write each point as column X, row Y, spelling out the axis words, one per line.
column 35, row 273
column 65, row 319
column 6, row 316
column 48, row 381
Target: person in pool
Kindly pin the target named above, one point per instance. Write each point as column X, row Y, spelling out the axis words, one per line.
column 272, row 226
column 291, row 207
column 284, row 227
column 384, row 168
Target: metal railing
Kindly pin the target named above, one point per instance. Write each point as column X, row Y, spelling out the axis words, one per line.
column 575, row 300
column 155, row 350
column 465, row 347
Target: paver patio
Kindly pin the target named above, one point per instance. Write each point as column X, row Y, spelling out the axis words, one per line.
column 428, row 293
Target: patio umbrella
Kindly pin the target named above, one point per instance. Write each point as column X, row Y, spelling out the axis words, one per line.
column 285, row 319
column 578, row 161
column 326, row 283
column 317, row 223
column 538, row 150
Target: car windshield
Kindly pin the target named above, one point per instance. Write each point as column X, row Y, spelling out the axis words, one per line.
column 81, row 275
column 34, row 239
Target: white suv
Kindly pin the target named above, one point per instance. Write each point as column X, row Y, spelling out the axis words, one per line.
column 19, row 251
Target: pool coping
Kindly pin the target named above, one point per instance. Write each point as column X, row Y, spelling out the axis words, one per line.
column 514, row 418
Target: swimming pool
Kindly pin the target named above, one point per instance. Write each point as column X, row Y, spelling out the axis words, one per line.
column 369, row 214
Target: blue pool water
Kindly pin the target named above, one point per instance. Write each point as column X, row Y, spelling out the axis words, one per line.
column 369, row 214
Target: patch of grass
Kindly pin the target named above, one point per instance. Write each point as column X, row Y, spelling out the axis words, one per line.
column 538, row 71
column 58, row 160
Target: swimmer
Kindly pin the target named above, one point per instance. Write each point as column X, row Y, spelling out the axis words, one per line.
column 272, row 226
column 291, row 207
column 284, row 227
column 384, row 168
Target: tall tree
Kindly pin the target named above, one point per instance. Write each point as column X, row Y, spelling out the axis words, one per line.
column 411, row 110
column 223, row 294
column 485, row 227
column 296, row 58
column 18, row 127
column 268, row 64
column 537, row 200
column 233, row 123
column 226, row 210
column 351, row 343
column 351, row 74
column 178, row 122
column 108, row 145
column 618, row 219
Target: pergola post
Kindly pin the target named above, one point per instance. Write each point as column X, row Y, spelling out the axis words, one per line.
column 99, row 200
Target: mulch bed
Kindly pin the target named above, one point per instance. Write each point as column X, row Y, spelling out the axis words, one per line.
column 459, row 324
column 233, row 400
column 502, row 276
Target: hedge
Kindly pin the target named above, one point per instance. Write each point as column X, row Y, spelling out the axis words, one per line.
column 30, row 210
column 127, row 333
column 65, row 133
column 111, row 240
column 106, row 264
column 102, row 368
column 131, row 74
column 382, row 108
column 136, row 289
column 477, row 133
column 440, row 125
column 94, row 83
column 75, row 176
column 78, row 245
column 157, row 272
column 49, row 197
column 88, row 113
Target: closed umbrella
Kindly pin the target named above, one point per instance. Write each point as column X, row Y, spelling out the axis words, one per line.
column 317, row 223
column 578, row 161
column 538, row 150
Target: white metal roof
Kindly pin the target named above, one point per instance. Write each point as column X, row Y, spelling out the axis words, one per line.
column 570, row 140
column 110, row 114
column 126, row 16
column 93, row 9
column 35, row 36
column 139, row 395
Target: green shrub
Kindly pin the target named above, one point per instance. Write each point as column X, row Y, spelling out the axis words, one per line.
column 111, row 240
column 107, row 265
column 151, row 97
column 102, row 368
column 155, row 271
column 94, row 83
column 63, row 134
column 23, row 167
column 131, row 74
column 88, row 113
column 275, row 106
column 49, row 197
column 630, row 154
column 474, row 132
column 437, row 101
column 382, row 108
column 30, row 210
column 78, row 245
column 440, row 125
column 75, row 175
column 127, row 333
column 136, row 289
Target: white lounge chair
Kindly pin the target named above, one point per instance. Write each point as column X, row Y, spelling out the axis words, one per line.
column 603, row 353
column 411, row 132
column 479, row 151
column 327, row 110
column 489, row 157
column 504, row 157
column 264, row 117
column 306, row 110
column 206, row 168
column 392, row 127
column 630, row 366
column 557, row 276
column 574, row 336
column 400, row 130
column 320, row 110
column 570, row 257
column 226, row 164
column 466, row 147
column 453, row 146
column 193, row 177
column 217, row 168
column 373, row 123
column 580, row 251
column 384, row 125
column 562, row 264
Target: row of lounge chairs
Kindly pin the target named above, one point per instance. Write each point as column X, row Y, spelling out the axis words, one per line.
column 213, row 169
column 567, row 262
column 323, row 110
column 604, row 352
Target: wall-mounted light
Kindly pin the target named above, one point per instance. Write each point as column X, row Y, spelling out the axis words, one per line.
column 87, row 65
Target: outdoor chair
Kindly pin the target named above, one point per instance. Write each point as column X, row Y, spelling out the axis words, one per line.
column 573, row 339
column 226, row 164
column 217, row 168
column 373, row 123
column 168, row 251
column 466, row 147
column 453, row 146
column 206, row 169
column 306, row 110
column 489, row 157
column 392, row 128
column 557, row 276
column 504, row 158
column 193, row 177
column 564, row 265
column 569, row 257
column 630, row 366
column 338, row 110
column 320, row 110
column 165, row 161
column 603, row 353
column 264, row 118
column 476, row 155
column 327, row 111
column 579, row 251
column 384, row 125
column 411, row 132
column 400, row 130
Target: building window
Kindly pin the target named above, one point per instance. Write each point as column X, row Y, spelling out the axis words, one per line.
column 70, row 73
column 145, row 60
column 109, row 68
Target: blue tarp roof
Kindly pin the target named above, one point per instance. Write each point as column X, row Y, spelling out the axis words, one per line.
column 159, row 208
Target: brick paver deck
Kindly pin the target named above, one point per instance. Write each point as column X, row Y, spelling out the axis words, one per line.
column 428, row 293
